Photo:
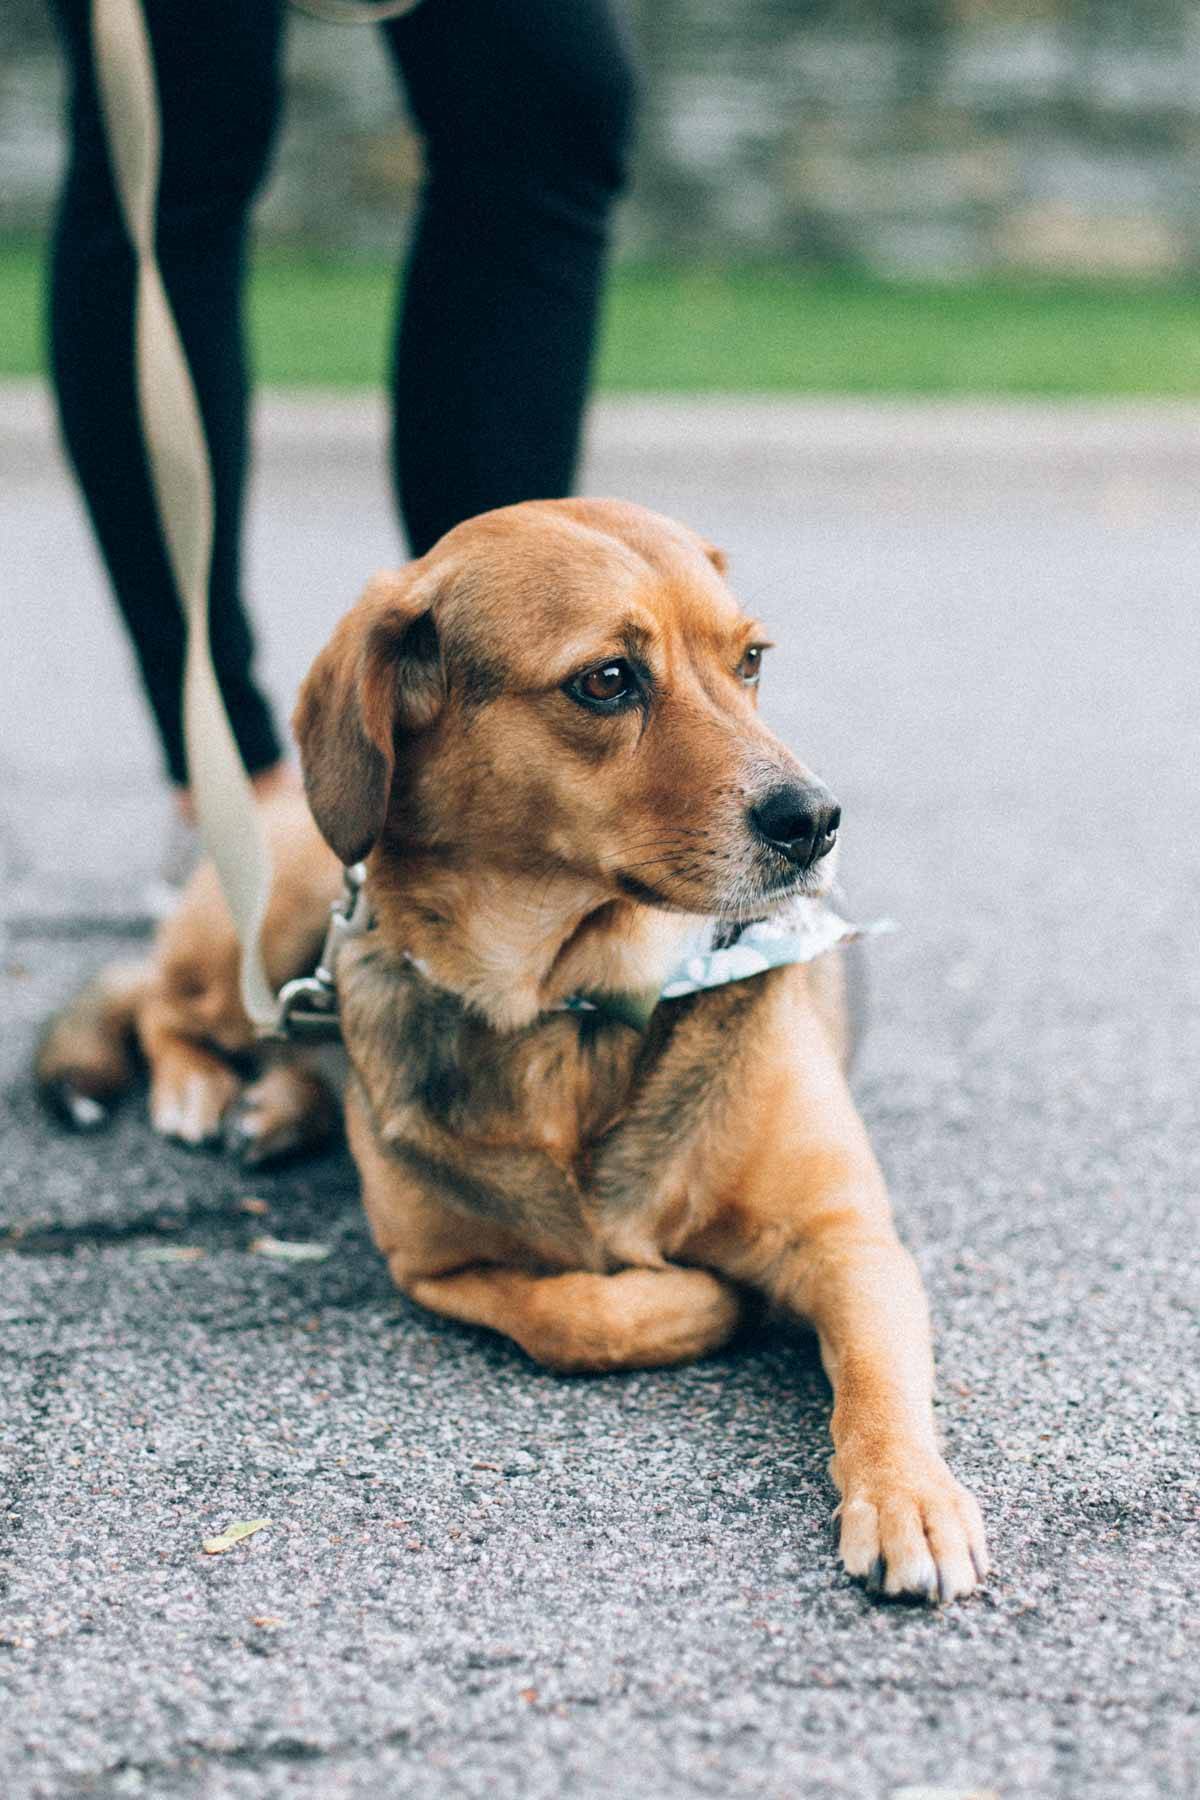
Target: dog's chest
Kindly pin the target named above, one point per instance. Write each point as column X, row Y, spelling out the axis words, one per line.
column 607, row 1105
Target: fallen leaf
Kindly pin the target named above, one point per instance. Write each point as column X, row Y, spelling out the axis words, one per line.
column 252, row 1204
column 267, row 1621
column 171, row 1253
column 244, row 1528
column 289, row 1250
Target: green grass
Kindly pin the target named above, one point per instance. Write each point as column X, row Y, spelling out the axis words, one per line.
column 766, row 329
column 775, row 331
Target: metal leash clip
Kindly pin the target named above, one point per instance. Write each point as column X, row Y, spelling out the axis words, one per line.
column 308, row 1006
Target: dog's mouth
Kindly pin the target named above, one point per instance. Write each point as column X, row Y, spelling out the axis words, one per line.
column 754, row 893
column 755, row 899
column 633, row 889
column 815, row 881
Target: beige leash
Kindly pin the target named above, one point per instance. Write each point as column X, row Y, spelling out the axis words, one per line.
column 177, row 454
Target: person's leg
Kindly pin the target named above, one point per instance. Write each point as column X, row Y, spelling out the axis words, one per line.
column 525, row 109
column 218, row 78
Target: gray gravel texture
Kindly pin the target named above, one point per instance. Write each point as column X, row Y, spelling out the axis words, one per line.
column 480, row 1579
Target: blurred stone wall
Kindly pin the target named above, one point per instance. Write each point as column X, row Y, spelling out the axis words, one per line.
column 919, row 137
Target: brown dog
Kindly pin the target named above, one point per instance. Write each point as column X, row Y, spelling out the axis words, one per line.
column 543, row 738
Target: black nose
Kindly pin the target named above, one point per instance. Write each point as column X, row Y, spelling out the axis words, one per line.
column 800, row 822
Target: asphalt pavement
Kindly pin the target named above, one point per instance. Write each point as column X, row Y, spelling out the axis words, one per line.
column 479, row 1579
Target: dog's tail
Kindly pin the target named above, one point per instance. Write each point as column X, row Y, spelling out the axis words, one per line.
column 87, row 1056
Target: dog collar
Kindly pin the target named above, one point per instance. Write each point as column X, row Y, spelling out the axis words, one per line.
column 721, row 953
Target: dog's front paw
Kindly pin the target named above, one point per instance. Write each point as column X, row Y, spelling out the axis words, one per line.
column 908, row 1529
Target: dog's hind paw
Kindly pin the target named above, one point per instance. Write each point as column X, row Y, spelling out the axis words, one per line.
column 288, row 1112
column 256, row 1140
column 72, row 1107
column 189, row 1101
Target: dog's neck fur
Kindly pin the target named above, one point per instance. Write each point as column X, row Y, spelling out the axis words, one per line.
column 512, row 945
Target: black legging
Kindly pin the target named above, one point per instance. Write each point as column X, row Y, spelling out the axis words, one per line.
column 524, row 107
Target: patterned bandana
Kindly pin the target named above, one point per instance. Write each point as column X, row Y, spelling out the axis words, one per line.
column 800, row 933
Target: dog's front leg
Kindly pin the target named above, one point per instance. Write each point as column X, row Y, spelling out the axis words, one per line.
column 811, row 1225
column 906, row 1525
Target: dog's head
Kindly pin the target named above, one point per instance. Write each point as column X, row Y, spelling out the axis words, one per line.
column 569, row 688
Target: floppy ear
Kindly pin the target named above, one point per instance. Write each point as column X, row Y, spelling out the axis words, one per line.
column 379, row 676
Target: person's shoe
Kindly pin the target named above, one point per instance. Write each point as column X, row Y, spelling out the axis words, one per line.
column 181, row 853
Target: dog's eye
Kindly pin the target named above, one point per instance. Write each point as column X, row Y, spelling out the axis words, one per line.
column 750, row 667
column 605, row 688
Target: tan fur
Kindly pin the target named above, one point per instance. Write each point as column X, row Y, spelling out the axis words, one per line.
column 603, row 1198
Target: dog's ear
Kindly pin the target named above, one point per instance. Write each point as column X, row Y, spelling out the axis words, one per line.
column 717, row 558
column 378, row 679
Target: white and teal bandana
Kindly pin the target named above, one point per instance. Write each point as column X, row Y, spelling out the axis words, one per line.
column 802, row 932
